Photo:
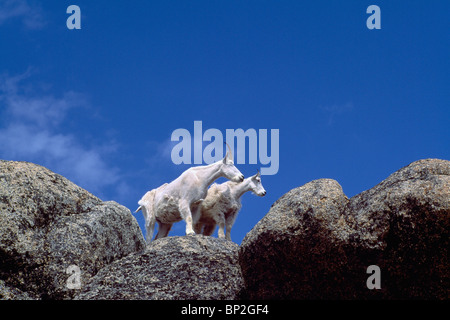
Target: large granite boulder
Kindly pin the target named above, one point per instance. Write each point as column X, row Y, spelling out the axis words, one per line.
column 315, row 243
column 173, row 268
column 48, row 226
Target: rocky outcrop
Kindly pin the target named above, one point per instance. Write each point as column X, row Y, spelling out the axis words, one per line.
column 295, row 250
column 315, row 243
column 12, row 293
column 47, row 224
column 173, row 268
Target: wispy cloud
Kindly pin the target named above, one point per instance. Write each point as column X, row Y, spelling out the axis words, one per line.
column 334, row 110
column 31, row 130
column 30, row 15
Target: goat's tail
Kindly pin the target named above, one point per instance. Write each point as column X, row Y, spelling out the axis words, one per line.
column 146, row 205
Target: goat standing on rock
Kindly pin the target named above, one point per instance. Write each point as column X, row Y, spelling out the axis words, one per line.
column 181, row 199
column 223, row 203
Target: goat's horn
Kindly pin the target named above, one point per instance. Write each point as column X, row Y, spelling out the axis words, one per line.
column 229, row 149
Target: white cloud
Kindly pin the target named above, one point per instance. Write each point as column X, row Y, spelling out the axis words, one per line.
column 30, row 15
column 42, row 111
column 31, row 131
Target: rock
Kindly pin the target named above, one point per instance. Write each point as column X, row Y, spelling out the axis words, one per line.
column 189, row 267
column 47, row 224
column 403, row 226
column 315, row 243
column 295, row 250
column 11, row 293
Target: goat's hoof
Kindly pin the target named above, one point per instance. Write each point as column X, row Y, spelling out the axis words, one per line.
column 190, row 233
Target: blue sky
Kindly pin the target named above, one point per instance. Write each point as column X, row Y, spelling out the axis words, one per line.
column 99, row 105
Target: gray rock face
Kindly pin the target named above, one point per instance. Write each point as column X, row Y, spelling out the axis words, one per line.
column 294, row 251
column 403, row 226
column 189, row 267
column 47, row 224
column 315, row 243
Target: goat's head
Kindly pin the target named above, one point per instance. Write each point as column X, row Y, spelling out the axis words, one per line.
column 228, row 168
column 256, row 185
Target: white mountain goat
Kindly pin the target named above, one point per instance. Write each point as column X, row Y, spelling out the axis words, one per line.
column 181, row 199
column 223, row 203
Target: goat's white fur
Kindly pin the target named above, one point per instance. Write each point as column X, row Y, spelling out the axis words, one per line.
column 222, row 204
column 180, row 199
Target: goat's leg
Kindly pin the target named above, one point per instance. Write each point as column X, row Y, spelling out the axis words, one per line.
column 229, row 224
column 221, row 233
column 186, row 214
column 197, row 213
column 163, row 230
column 220, row 220
column 189, row 230
column 149, row 223
column 149, row 228
column 228, row 233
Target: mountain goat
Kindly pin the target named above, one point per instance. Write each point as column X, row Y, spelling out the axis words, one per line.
column 222, row 204
column 181, row 198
